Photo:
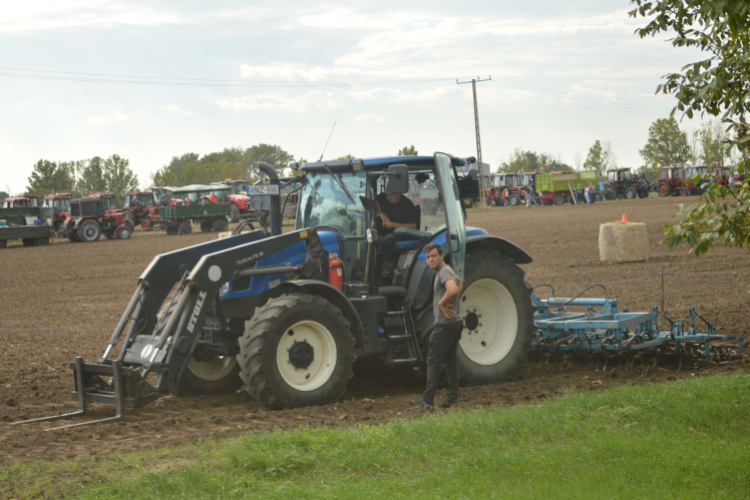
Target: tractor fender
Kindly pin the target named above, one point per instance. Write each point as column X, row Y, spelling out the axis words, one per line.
column 332, row 295
column 497, row 244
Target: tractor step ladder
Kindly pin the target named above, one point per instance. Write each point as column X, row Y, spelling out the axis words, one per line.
column 572, row 193
column 400, row 334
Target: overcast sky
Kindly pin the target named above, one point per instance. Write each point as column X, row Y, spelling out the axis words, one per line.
column 564, row 74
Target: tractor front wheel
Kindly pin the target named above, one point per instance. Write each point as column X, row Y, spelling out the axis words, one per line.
column 684, row 191
column 643, row 193
column 297, row 350
column 498, row 319
column 514, row 199
column 185, row 227
column 558, row 199
column 630, row 193
column 171, row 229
column 147, row 225
column 124, row 232
column 664, row 189
column 89, row 231
column 206, row 226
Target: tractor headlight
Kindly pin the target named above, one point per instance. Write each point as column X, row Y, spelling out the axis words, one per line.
column 224, row 289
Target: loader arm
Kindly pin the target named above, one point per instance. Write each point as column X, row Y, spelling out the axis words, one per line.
column 166, row 348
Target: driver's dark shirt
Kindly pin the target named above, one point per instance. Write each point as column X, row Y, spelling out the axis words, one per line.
column 401, row 212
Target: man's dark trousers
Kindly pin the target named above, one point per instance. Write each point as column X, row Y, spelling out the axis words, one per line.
column 443, row 349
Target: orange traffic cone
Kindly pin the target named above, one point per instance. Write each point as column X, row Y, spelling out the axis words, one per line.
column 624, row 219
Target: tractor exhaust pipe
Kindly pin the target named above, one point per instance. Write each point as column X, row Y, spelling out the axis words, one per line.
column 273, row 178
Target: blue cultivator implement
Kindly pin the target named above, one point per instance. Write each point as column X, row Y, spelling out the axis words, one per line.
column 612, row 333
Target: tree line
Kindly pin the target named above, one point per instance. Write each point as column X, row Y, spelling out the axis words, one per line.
column 113, row 174
column 88, row 176
column 667, row 146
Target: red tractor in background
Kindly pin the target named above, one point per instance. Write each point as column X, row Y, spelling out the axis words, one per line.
column 141, row 208
column 88, row 220
column 723, row 174
column 671, row 181
column 237, row 197
column 621, row 183
column 514, row 183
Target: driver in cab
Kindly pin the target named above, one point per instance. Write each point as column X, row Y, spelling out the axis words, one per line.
column 396, row 211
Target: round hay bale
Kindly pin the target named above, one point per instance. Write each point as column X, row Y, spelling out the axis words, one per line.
column 623, row 242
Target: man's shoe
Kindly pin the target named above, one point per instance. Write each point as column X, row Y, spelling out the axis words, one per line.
column 421, row 406
column 445, row 404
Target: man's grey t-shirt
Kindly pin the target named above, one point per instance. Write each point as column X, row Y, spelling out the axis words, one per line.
column 444, row 274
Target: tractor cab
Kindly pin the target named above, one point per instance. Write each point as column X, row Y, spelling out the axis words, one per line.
column 60, row 206
column 619, row 174
column 109, row 201
column 696, row 170
column 506, row 180
column 28, row 201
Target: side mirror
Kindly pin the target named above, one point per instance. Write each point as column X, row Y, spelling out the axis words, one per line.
column 398, row 179
column 293, row 165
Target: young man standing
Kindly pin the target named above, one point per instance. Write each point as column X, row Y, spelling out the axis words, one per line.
column 447, row 332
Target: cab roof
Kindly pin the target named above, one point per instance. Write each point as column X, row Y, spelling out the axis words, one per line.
column 377, row 164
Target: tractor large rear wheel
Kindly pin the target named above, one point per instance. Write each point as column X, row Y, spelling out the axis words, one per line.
column 514, row 199
column 498, row 319
column 664, row 189
column 89, row 231
column 297, row 350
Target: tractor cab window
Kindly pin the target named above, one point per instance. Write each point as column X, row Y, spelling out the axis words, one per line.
column 62, row 205
column 425, row 196
column 130, row 201
column 328, row 200
column 626, row 174
column 611, row 176
column 145, row 200
column 678, row 173
column 665, row 174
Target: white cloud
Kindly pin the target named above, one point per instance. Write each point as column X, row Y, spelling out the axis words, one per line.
column 396, row 96
column 173, row 108
column 370, row 118
column 278, row 71
column 311, row 100
column 44, row 15
column 116, row 117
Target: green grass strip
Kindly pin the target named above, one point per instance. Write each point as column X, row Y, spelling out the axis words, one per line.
column 684, row 440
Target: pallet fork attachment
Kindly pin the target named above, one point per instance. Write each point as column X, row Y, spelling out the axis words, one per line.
column 83, row 396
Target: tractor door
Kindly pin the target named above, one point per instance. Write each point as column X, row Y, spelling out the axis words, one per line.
column 453, row 213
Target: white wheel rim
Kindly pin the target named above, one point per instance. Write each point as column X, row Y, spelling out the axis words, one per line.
column 215, row 369
column 497, row 324
column 324, row 361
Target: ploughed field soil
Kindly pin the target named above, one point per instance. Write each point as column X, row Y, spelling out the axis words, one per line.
column 80, row 289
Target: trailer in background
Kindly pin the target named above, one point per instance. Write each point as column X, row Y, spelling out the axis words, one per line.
column 31, row 236
column 561, row 188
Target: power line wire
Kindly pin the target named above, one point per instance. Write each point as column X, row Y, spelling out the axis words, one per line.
column 601, row 108
column 567, row 95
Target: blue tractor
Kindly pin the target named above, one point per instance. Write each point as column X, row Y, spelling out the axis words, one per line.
column 257, row 308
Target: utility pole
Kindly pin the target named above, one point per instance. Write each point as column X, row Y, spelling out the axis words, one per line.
column 474, row 81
